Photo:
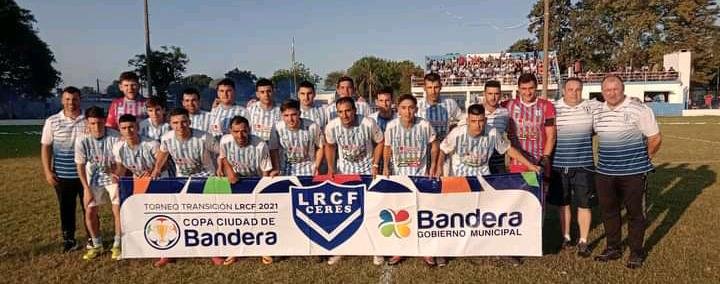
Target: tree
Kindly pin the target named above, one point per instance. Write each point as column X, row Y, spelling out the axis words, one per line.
column 244, row 83
column 26, row 69
column 523, row 45
column 86, row 90
column 372, row 73
column 284, row 80
column 113, row 90
column 167, row 66
column 201, row 82
column 559, row 27
column 332, row 78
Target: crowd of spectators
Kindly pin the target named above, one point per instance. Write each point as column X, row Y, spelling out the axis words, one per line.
column 475, row 69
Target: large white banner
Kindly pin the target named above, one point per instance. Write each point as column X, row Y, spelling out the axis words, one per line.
column 350, row 215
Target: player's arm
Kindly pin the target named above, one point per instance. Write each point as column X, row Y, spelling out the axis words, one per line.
column 515, row 154
column 387, row 154
column 160, row 161
column 434, row 151
column 46, row 158
column 653, row 144
column 440, row 163
column 319, row 153
column 229, row 172
column 275, row 161
column 377, row 157
column 550, row 137
column 330, row 157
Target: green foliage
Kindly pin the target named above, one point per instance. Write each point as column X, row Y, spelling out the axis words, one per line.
column 523, row 45
column 285, row 80
column 607, row 35
column 167, row 66
column 244, row 83
column 332, row 78
column 372, row 73
column 25, row 60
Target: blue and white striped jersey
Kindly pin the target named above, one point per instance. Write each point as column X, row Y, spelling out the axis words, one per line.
column 354, row 144
column 497, row 120
column 296, row 148
column 622, row 136
column 362, row 107
column 152, row 131
column 410, row 146
column 138, row 159
column 220, row 118
column 193, row 156
column 440, row 115
column 97, row 156
column 262, row 120
column 251, row 160
column 470, row 155
column 573, row 148
column 315, row 114
column 62, row 132
column 201, row 120
column 381, row 121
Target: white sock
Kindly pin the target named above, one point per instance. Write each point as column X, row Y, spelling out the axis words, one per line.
column 116, row 243
column 567, row 237
column 97, row 242
column 582, row 240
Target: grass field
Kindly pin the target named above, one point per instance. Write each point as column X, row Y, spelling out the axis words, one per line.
column 683, row 202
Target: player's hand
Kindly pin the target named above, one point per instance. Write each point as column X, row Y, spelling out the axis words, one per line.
column 88, row 197
column 115, row 178
column 386, row 171
column 51, row 179
column 331, row 173
column 534, row 168
column 373, row 172
column 219, row 172
column 232, row 178
column 155, row 174
column 274, row 173
column 145, row 174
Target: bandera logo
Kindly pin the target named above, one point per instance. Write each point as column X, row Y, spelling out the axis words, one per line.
column 162, row 232
column 394, row 223
column 328, row 213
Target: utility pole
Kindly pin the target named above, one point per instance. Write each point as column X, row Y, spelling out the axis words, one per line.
column 97, row 84
column 546, row 24
column 148, row 52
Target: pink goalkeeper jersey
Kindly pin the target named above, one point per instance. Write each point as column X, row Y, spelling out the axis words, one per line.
column 121, row 106
column 526, row 129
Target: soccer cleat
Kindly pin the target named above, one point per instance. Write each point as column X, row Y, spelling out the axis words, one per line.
column 378, row 260
column 89, row 244
column 429, row 260
column 266, row 260
column 162, row 262
column 635, row 261
column 115, row 253
column 93, row 253
column 334, row 259
column 583, row 250
column 394, row 260
column 566, row 244
column 441, row 261
column 70, row 245
column 608, row 255
column 230, row 260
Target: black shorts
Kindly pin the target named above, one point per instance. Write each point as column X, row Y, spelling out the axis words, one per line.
column 572, row 185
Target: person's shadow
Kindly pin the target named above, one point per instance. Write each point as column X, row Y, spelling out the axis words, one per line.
column 671, row 190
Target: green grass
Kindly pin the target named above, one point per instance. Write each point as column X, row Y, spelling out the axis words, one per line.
column 683, row 214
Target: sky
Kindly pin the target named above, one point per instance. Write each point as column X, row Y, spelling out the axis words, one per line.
column 95, row 39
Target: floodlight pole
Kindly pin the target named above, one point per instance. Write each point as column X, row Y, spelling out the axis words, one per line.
column 546, row 24
column 148, row 52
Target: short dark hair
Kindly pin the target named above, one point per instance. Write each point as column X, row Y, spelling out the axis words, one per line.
column 179, row 111
column 346, row 100
column 527, row 78
column 155, row 102
column 72, row 90
column 239, row 120
column 492, row 84
column 407, row 97
column 476, row 109
column 127, row 118
column 306, row 84
column 95, row 112
column 290, row 104
column 432, row 77
column 226, row 82
column 262, row 83
column 345, row 79
column 128, row 76
column 191, row 91
column 385, row 90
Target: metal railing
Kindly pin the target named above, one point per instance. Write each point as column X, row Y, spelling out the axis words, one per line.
column 638, row 76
